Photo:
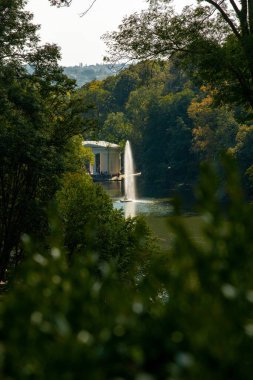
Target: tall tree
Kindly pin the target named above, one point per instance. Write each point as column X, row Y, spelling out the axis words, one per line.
column 167, row 158
column 215, row 128
column 213, row 39
column 38, row 116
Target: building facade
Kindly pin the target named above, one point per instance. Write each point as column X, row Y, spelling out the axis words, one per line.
column 107, row 160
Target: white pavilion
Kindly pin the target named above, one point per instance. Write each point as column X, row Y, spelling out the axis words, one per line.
column 107, row 158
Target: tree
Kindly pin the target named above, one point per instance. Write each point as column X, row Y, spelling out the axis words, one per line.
column 38, row 116
column 213, row 41
column 99, row 100
column 126, row 82
column 188, row 317
column 32, row 156
column 152, row 113
column 242, row 151
column 214, row 129
column 16, row 32
column 167, row 157
column 91, row 224
column 116, row 128
column 153, row 79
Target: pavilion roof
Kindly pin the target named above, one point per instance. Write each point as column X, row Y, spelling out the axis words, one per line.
column 100, row 144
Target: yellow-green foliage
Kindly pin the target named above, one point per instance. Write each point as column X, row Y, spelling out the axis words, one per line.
column 76, row 155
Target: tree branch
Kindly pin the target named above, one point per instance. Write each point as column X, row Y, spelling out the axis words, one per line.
column 244, row 18
column 87, row 10
column 244, row 8
column 250, row 12
column 236, row 9
column 225, row 16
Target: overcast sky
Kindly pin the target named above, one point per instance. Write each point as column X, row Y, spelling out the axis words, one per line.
column 80, row 37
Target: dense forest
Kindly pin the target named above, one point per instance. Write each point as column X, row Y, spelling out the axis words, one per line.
column 86, row 293
column 172, row 123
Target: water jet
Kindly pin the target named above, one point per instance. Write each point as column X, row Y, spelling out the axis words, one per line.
column 129, row 175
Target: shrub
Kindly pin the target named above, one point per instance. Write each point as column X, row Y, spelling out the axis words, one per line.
column 188, row 316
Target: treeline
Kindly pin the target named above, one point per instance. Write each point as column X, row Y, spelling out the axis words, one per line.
column 172, row 123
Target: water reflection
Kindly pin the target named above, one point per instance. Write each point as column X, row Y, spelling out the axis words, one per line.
column 129, row 209
column 156, row 207
column 114, row 188
column 144, row 207
column 155, row 211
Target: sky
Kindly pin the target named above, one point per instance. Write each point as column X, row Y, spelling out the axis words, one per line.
column 80, row 37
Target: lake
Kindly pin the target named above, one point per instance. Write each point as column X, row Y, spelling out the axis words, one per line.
column 156, row 212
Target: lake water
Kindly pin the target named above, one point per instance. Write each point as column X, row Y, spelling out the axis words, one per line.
column 142, row 206
column 157, row 213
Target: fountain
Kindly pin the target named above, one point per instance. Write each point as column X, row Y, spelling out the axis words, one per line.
column 129, row 175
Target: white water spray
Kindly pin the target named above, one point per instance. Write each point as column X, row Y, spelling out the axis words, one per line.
column 129, row 176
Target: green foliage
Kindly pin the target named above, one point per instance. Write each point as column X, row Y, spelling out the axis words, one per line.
column 126, row 82
column 171, row 124
column 242, row 152
column 39, row 113
column 147, row 104
column 116, row 128
column 76, row 155
column 33, row 139
column 167, row 142
column 212, row 40
column 16, row 31
column 99, row 101
column 243, row 144
column 215, row 128
column 91, row 224
column 189, row 316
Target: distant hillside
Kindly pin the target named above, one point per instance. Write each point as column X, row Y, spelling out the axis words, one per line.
column 86, row 73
